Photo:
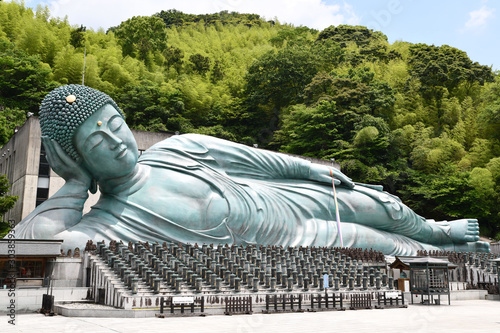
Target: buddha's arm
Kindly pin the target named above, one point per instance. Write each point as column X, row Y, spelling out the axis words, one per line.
column 242, row 161
column 60, row 212
column 64, row 209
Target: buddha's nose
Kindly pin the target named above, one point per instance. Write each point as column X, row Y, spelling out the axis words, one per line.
column 115, row 141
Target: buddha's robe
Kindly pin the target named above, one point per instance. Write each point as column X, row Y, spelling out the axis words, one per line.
column 270, row 200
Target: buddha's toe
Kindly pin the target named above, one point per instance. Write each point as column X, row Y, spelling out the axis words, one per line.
column 464, row 230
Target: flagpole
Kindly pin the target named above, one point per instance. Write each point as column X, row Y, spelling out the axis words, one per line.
column 337, row 210
column 83, row 74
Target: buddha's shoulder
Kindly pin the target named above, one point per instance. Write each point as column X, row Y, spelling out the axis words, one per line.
column 187, row 142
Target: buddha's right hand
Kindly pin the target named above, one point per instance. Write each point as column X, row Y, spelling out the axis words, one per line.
column 63, row 165
column 325, row 174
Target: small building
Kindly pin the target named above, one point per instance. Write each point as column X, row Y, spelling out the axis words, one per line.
column 429, row 276
column 24, row 262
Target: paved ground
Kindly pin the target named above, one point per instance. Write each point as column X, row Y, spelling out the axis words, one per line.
column 460, row 316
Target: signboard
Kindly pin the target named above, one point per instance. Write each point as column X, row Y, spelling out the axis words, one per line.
column 325, row 281
column 391, row 294
column 178, row 300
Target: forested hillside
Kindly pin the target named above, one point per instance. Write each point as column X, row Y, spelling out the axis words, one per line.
column 422, row 120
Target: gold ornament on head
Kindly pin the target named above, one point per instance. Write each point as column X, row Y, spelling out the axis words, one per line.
column 99, row 123
column 71, row 98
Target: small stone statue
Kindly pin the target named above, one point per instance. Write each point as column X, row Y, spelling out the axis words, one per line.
column 112, row 246
column 90, row 246
column 195, row 188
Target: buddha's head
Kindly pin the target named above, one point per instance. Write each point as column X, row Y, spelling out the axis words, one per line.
column 90, row 128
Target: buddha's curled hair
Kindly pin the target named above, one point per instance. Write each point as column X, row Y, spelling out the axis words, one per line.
column 67, row 107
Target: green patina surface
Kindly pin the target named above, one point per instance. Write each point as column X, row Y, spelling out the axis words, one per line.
column 194, row 188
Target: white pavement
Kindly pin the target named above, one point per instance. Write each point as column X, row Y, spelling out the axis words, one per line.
column 460, row 316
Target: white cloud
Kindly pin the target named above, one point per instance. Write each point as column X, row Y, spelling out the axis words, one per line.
column 107, row 13
column 478, row 18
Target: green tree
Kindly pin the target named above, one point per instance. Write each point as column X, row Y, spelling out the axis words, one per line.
column 450, row 194
column 275, row 81
column 173, row 57
column 432, row 154
column 200, row 63
column 78, row 37
column 278, row 78
column 10, row 18
column 68, row 66
column 313, row 131
column 141, row 36
column 177, row 18
column 6, row 203
column 344, row 34
column 371, row 156
column 24, row 79
column 151, row 107
column 489, row 116
column 357, row 91
column 293, row 36
column 9, row 120
column 444, row 68
column 359, row 43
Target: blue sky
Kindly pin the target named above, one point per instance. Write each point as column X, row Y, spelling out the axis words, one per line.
column 470, row 25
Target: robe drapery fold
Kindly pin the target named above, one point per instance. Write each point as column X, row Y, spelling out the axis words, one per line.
column 271, row 200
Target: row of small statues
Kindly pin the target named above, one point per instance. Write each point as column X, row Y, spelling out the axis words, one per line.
column 71, row 254
column 457, row 257
column 358, row 254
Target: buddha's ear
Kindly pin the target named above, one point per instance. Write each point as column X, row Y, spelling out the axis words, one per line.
column 93, row 186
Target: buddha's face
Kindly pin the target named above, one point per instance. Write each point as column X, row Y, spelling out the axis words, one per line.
column 106, row 144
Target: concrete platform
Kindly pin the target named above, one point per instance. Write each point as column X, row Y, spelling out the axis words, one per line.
column 460, row 316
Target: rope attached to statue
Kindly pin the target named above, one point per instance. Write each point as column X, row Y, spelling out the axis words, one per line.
column 337, row 210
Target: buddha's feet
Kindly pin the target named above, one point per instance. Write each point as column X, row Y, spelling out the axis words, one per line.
column 464, row 231
column 469, row 247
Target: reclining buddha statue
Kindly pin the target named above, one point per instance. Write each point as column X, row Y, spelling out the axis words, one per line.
column 199, row 189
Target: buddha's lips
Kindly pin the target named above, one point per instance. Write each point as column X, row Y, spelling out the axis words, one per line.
column 122, row 152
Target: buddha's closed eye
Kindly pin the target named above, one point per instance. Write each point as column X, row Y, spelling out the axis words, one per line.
column 115, row 123
column 93, row 142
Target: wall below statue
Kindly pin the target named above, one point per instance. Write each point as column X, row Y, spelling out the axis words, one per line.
column 30, row 299
column 66, row 272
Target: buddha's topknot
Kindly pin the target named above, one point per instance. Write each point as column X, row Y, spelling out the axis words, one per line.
column 67, row 107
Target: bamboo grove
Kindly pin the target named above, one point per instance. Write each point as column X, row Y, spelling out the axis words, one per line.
column 422, row 120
